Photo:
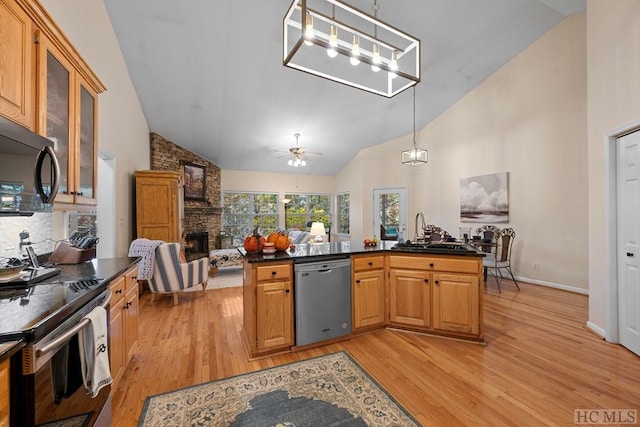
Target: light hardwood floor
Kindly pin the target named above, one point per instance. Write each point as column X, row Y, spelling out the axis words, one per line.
column 538, row 365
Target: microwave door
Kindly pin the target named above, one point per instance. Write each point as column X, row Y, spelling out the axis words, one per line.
column 52, row 169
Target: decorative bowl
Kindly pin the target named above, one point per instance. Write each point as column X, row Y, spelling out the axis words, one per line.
column 7, row 271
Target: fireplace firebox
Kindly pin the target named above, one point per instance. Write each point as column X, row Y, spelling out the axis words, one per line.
column 196, row 245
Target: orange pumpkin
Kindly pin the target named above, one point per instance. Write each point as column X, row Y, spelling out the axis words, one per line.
column 279, row 240
column 254, row 243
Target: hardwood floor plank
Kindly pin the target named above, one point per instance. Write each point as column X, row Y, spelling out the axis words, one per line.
column 538, row 365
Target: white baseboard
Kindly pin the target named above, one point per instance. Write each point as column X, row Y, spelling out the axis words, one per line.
column 554, row 285
column 596, row 329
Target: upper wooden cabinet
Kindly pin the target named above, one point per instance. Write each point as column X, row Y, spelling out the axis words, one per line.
column 17, row 64
column 39, row 63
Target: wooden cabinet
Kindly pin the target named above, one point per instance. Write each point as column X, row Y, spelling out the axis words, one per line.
column 159, row 205
column 368, row 292
column 123, row 326
column 268, row 306
column 409, row 298
column 4, row 393
column 437, row 294
column 17, row 65
column 46, row 86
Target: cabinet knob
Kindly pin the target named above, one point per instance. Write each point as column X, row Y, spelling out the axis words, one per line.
column 370, row 263
column 119, row 291
column 629, row 253
column 437, row 282
column 286, row 291
column 358, row 281
column 134, row 277
column 273, row 273
column 431, row 265
column 426, row 280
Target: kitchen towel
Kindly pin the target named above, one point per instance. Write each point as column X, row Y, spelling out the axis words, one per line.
column 94, row 352
column 146, row 249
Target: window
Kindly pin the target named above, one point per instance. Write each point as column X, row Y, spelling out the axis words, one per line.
column 343, row 213
column 304, row 208
column 242, row 212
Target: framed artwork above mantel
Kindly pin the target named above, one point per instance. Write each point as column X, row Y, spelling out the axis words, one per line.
column 194, row 175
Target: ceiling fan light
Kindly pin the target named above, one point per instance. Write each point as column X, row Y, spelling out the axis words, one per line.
column 303, row 163
column 290, row 162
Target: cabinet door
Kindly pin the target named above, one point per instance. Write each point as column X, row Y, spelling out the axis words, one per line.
column 130, row 323
column 4, row 393
column 55, row 95
column 116, row 341
column 157, row 209
column 368, row 298
column 86, row 143
column 17, row 65
column 410, row 298
column 274, row 316
column 455, row 303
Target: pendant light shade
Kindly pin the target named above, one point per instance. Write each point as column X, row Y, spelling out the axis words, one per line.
column 415, row 156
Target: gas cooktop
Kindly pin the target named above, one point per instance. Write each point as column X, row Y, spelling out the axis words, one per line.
column 458, row 247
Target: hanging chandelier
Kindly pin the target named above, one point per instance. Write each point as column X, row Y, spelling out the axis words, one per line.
column 331, row 39
column 414, row 156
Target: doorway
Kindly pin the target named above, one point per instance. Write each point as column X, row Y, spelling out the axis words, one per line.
column 106, row 209
column 628, row 239
column 389, row 213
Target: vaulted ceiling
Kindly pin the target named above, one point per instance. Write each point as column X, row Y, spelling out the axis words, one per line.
column 210, row 78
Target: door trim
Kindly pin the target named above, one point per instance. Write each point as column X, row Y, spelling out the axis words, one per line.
column 611, row 332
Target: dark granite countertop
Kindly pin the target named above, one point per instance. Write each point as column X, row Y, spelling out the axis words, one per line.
column 30, row 312
column 315, row 251
column 8, row 349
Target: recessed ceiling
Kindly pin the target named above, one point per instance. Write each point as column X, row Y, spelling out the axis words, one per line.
column 210, row 78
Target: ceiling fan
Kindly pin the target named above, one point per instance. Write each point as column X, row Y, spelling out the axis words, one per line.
column 298, row 154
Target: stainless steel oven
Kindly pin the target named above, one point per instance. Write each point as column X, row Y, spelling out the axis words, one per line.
column 32, row 399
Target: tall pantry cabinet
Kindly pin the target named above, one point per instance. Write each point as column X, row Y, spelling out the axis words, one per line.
column 159, row 205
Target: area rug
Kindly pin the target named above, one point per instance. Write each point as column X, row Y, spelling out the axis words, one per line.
column 329, row 390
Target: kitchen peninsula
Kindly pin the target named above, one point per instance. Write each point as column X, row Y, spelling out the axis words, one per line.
column 429, row 288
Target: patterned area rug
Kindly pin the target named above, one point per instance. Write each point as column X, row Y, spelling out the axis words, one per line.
column 328, row 390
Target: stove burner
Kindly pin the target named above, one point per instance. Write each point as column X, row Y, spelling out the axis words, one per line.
column 80, row 285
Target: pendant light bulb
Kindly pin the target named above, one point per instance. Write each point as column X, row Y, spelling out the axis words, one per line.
column 308, row 30
column 376, row 58
column 332, row 50
column 355, row 51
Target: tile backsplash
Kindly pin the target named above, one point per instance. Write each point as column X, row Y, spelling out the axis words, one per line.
column 40, row 228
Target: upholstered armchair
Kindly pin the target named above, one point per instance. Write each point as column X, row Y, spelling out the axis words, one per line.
column 172, row 275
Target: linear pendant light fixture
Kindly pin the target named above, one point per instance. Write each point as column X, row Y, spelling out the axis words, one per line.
column 415, row 156
column 331, row 39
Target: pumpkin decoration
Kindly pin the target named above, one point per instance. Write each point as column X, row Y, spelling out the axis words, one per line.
column 253, row 243
column 280, row 240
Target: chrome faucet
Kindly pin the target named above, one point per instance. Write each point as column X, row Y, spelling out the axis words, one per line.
column 424, row 227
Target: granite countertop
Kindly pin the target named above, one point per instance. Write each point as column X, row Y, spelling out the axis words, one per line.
column 31, row 312
column 8, row 349
column 347, row 248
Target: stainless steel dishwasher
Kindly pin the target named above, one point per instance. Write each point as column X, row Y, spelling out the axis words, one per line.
column 322, row 300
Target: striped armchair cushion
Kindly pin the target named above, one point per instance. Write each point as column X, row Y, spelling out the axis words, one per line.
column 171, row 275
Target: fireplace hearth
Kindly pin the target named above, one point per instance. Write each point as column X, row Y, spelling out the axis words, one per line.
column 196, row 245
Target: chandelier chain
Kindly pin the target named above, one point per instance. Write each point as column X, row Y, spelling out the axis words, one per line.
column 414, row 117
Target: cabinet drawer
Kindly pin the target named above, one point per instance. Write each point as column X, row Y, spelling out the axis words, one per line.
column 436, row 264
column 131, row 279
column 367, row 263
column 117, row 289
column 269, row 272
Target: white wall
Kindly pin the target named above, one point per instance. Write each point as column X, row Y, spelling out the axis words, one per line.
column 613, row 51
column 528, row 119
column 122, row 128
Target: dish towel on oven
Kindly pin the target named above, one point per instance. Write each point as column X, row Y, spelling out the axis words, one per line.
column 146, row 249
column 94, row 352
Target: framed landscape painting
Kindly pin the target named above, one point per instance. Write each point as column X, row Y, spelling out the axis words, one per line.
column 194, row 181
column 485, row 198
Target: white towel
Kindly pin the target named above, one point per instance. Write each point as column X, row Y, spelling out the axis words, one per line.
column 94, row 352
column 146, row 249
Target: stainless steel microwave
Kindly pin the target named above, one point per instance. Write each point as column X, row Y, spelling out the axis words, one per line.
column 29, row 171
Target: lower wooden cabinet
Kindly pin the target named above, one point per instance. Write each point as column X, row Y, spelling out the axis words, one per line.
column 268, row 307
column 4, row 393
column 455, row 303
column 367, row 292
column 409, row 298
column 123, row 324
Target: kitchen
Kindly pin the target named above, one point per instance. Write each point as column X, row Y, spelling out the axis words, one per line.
column 124, row 133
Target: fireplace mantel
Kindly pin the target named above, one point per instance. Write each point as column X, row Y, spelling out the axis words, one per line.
column 198, row 210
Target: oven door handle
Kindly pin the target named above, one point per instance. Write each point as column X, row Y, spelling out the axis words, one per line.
column 67, row 335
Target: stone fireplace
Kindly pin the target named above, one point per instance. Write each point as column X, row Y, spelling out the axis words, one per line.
column 196, row 245
column 200, row 216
